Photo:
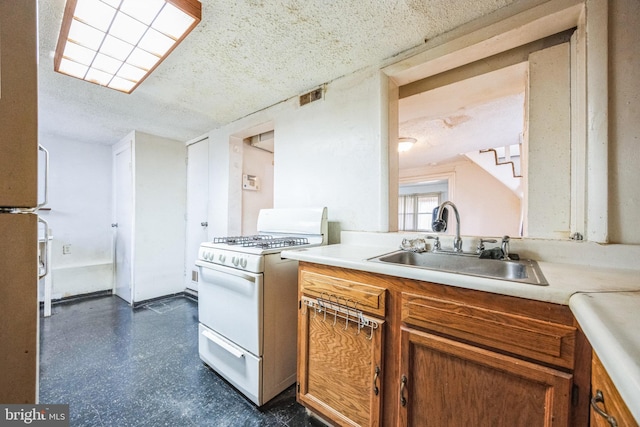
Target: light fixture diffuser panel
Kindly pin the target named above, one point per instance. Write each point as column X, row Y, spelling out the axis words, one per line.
column 95, row 14
column 116, row 48
column 127, row 29
column 144, row 11
column 131, row 37
column 172, row 22
column 79, row 54
column 85, row 35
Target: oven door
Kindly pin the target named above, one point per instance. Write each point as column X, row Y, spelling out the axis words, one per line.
column 230, row 303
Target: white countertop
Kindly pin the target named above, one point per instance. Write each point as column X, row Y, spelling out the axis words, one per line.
column 605, row 301
column 564, row 279
column 610, row 320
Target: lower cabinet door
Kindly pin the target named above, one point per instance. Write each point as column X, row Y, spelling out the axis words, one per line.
column 607, row 406
column 339, row 368
column 449, row 383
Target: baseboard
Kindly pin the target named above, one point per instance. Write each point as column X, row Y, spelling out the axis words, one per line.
column 184, row 294
column 187, row 293
column 73, row 298
column 190, row 293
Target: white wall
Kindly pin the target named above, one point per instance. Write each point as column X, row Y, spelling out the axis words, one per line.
column 333, row 152
column 159, row 226
column 259, row 163
column 549, row 152
column 487, row 207
column 624, row 121
column 80, row 216
column 327, row 153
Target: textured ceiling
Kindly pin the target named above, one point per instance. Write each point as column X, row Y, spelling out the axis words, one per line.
column 244, row 56
column 486, row 111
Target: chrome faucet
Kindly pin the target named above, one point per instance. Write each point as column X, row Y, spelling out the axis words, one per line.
column 440, row 224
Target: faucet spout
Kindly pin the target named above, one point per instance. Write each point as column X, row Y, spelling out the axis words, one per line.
column 440, row 224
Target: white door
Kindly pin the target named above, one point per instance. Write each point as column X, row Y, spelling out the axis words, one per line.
column 123, row 223
column 197, row 207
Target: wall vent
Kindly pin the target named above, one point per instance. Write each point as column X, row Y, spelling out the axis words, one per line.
column 309, row 97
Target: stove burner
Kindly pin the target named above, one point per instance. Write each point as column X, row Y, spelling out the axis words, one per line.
column 262, row 241
column 281, row 242
column 241, row 240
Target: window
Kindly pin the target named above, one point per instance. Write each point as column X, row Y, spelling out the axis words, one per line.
column 415, row 211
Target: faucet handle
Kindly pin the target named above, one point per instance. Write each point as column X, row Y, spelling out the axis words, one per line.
column 436, row 244
column 481, row 243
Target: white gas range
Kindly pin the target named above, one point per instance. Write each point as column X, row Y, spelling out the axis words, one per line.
column 247, row 301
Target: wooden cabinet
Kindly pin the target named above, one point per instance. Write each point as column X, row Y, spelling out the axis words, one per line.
column 18, row 189
column 19, row 104
column 607, row 407
column 340, row 343
column 449, row 383
column 450, row 356
column 479, row 365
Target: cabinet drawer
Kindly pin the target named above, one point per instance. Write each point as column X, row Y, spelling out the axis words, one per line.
column 538, row 340
column 362, row 296
column 612, row 403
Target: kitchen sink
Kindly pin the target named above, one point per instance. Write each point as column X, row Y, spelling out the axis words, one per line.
column 524, row 270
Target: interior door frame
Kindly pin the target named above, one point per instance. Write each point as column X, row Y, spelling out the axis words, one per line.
column 188, row 279
column 120, row 148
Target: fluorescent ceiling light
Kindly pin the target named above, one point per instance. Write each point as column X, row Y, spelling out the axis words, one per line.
column 118, row 43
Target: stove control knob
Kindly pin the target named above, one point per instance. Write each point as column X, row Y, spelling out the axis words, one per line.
column 243, row 263
column 222, row 258
column 235, row 261
column 205, row 255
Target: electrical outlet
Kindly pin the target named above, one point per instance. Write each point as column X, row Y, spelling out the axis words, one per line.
column 66, row 249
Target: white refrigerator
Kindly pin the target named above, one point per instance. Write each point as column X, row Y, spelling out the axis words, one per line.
column 19, row 150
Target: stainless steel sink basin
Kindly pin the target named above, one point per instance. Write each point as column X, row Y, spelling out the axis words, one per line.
column 524, row 271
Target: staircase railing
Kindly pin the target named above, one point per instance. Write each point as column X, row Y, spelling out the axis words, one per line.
column 507, row 160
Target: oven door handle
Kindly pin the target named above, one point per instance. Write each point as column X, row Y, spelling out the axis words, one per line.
column 219, row 269
column 222, row 344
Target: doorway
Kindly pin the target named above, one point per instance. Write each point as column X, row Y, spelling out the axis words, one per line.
column 123, row 224
column 197, row 207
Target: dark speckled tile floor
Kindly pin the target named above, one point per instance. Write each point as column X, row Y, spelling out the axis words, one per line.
column 118, row 366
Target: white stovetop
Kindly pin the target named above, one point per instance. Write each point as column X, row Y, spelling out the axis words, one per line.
column 605, row 301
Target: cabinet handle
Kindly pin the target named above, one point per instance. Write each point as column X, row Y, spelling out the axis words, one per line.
column 46, row 177
column 403, row 383
column 45, row 256
column 599, row 398
column 376, row 390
